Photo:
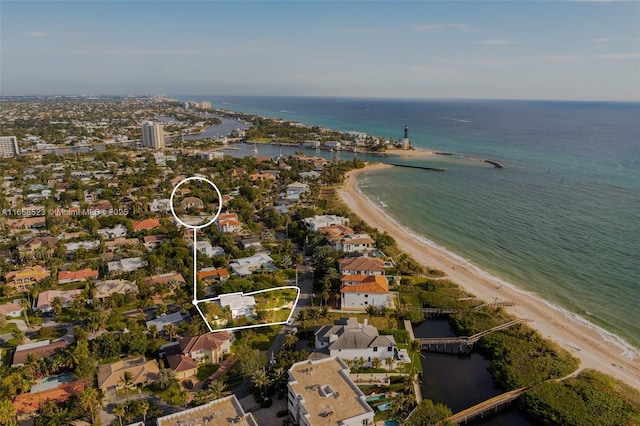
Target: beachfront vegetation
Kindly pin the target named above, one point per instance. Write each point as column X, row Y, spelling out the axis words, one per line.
column 591, row 398
column 519, row 355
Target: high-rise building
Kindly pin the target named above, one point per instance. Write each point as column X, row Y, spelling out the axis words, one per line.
column 205, row 105
column 9, row 146
column 152, row 135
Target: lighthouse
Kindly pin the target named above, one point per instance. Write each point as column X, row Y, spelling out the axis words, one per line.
column 405, row 141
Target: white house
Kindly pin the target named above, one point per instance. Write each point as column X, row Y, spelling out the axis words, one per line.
column 349, row 339
column 239, row 304
column 247, row 265
column 361, row 291
column 11, row 309
column 228, row 222
column 160, row 205
column 115, row 232
column 361, row 266
column 87, row 245
column 333, row 144
column 318, row 222
column 126, row 265
column 207, row 249
column 353, row 243
column 164, row 320
column 295, row 189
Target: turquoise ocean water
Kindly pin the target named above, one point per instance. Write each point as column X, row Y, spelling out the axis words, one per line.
column 561, row 220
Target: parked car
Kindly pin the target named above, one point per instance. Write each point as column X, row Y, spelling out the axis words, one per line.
column 205, row 384
column 188, row 384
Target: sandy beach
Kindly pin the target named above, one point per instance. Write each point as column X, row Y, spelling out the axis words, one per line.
column 579, row 338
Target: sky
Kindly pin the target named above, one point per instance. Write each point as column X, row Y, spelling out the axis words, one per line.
column 582, row 50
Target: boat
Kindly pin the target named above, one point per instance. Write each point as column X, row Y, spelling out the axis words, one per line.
column 255, row 148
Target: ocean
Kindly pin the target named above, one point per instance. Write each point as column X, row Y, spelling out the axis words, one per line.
column 561, row 220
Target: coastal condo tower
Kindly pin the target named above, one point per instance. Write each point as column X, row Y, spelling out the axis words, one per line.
column 405, row 141
column 9, row 146
column 152, row 135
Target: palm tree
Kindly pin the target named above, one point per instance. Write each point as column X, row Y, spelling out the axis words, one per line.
column 90, row 401
column 25, row 310
column 414, row 349
column 153, row 329
column 56, row 306
column 170, row 329
column 127, row 378
column 290, row 340
column 78, row 303
column 302, row 317
column 143, row 408
column 19, row 336
column 119, row 410
column 389, row 362
column 217, row 389
column 260, row 380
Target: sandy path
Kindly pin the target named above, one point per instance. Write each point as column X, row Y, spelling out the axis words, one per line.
column 577, row 337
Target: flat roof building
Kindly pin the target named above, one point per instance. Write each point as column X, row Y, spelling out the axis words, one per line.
column 9, row 146
column 322, row 394
column 223, row 411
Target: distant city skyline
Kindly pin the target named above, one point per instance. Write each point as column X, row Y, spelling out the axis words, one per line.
column 583, row 50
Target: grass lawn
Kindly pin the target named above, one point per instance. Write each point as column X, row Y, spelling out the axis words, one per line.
column 261, row 338
column 206, row 370
column 281, row 315
column 9, row 328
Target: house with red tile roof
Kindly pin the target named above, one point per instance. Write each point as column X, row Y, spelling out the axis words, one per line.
column 28, row 404
column 80, row 275
column 182, row 365
column 208, row 347
column 213, row 274
column 25, row 278
column 45, row 299
column 143, row 225
column 361, row 265
column 228, row 222
column 358, row 292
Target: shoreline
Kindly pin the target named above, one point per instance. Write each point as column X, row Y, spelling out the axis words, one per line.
column 595, row 347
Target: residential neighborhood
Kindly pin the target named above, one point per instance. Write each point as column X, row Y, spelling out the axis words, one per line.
column 108, row 296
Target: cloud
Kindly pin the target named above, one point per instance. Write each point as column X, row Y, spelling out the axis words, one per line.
column 630, row 55
column 498, row 42
column 40, row 34
column 363, row 31
column 438, row 27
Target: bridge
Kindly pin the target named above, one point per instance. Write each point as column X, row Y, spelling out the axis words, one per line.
column 463, row 344
column 486, row 406
column 436, row 312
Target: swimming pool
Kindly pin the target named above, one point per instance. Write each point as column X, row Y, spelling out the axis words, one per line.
column 60, row 378
column 374, row 398
column 384, row 407
column 391, row 423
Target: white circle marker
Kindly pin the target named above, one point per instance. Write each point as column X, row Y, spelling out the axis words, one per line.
column 173, row 212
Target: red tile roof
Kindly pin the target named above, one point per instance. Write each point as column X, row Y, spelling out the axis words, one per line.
column 364, row 284
column 27, row 403
column 204, row 341
column 79, row 275
column 146, row 224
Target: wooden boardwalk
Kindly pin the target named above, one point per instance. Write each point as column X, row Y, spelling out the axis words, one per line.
column 486, row 406
column 463, row 344
column 436, row 312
